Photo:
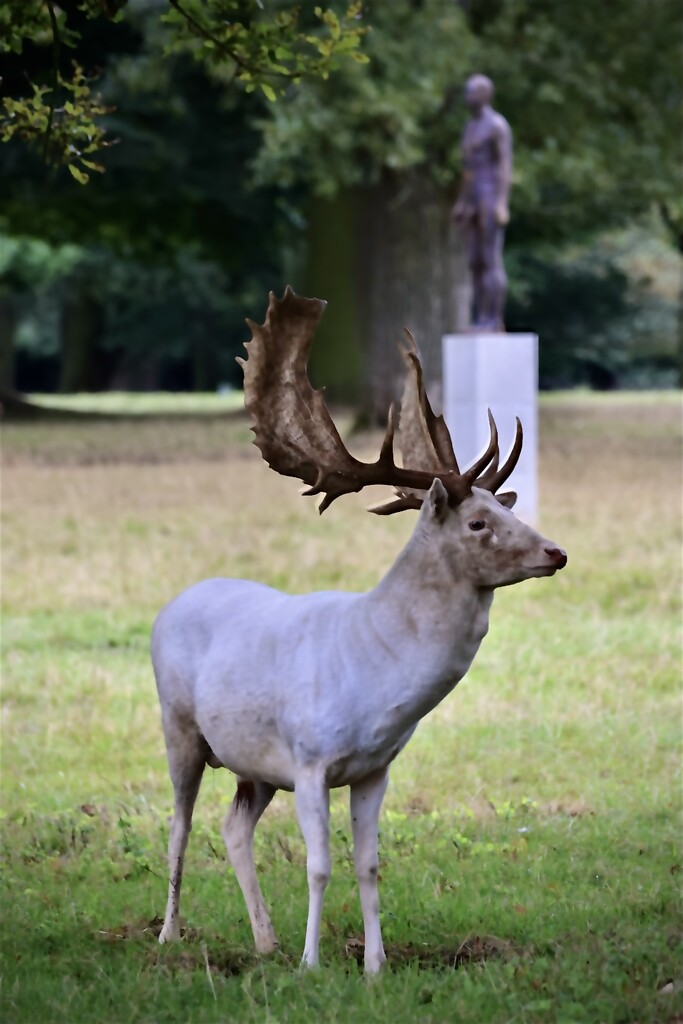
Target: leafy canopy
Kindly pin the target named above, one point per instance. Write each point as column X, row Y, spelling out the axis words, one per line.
column 260, row 44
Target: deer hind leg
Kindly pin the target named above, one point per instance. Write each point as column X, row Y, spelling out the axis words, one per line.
column 187, row 752
column 313, row 811
column 366, row 801
column 251, row 800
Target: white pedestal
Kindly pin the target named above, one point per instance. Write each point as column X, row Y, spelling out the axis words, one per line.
column 500, row 372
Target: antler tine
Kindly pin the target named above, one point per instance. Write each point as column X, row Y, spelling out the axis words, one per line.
column 493, row 465
column 492, row 452
column 398, row 504
column 493, row 477
column 386, row 454
column 327, row 500
column 424, row 437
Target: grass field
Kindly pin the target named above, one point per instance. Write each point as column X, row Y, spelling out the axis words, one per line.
column 531, row 857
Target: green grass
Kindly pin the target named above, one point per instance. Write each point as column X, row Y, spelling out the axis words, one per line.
column 531, row 858
column 143, row 402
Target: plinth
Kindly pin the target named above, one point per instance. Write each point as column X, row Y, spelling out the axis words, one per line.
column 500, row 372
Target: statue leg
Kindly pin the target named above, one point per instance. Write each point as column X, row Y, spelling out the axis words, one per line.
column 500, row 281
column 494, row 286
column 477, row 265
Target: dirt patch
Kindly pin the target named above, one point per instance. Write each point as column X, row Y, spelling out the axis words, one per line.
column 141, row 929
column 190, row 954
column 474, row 949
column 131, row 930
column 569, row 808
column 180, row 959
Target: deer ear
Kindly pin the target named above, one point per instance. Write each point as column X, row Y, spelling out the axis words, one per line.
column 436, row 501
column 507, row 498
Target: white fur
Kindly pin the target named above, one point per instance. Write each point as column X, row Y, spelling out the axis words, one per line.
column 312, row 692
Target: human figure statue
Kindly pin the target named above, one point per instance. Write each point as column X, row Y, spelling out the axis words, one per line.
column 482, row 205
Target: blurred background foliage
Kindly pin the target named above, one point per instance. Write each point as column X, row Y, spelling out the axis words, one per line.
column 221, row 181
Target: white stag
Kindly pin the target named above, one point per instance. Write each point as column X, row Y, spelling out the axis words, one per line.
column 310, row 692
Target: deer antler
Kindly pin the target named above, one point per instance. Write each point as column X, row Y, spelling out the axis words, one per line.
column 492, row 479
column 425, row 439
column 297, row 437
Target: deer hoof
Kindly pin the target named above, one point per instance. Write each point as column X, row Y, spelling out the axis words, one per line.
column 374, row 964
column 169, row 933
column 267, row 945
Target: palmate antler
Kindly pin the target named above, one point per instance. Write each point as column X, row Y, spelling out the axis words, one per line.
column 297, row 437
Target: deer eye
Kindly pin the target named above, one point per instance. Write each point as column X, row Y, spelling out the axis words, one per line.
column 477, row 524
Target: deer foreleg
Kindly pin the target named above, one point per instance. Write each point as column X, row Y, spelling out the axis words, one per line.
column 366, row 801
column 313, row 811
column 251, row 800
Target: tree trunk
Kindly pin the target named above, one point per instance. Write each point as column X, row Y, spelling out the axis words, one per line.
column 332, row 274
column 414, row 275
column 385, row 257
column 84, row 366
column 8, row 328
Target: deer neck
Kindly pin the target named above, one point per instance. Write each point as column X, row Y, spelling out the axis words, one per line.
column 431, row 617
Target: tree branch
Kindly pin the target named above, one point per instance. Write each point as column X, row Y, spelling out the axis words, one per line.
column 221, row 46
column 56, row 44
column 204, row 32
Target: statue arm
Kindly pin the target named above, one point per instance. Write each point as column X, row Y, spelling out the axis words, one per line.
column 459, row 212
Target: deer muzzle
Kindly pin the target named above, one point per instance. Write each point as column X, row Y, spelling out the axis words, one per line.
column 558, row 556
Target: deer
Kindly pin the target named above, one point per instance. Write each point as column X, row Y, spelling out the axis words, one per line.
column 311, row 692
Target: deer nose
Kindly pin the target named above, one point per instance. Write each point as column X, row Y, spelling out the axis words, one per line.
column 559, row 555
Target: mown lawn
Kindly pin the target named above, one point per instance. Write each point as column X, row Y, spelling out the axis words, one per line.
column 531, row 839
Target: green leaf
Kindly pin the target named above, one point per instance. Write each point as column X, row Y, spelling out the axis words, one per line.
column 269, row 92
column 81, row 177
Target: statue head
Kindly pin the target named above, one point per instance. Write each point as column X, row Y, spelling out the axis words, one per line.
column 478, row 92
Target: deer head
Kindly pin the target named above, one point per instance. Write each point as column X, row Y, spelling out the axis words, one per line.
column 480, row 539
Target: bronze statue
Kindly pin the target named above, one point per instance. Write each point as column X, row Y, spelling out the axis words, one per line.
column 482, row 205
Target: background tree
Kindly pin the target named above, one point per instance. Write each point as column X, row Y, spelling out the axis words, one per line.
column 173, row 244
column 236, row 40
